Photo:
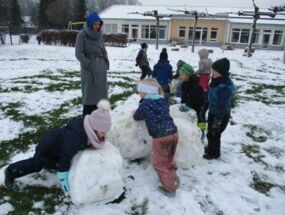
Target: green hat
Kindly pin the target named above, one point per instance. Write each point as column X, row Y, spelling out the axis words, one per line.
column 186, row 69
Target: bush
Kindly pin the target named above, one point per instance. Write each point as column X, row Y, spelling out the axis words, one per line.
column 68, row 38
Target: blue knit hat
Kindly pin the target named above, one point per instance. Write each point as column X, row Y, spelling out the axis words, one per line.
column 93, row 17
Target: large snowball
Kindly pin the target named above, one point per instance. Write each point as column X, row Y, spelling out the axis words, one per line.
column 133, row 140
column 131, row 137
column 95, row 175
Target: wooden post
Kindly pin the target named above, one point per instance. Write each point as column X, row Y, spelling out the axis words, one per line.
column 10, row 35
column 157, row 33
column 194, row 30
column 251, row 38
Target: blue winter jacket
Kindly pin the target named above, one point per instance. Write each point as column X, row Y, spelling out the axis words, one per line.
column 154, row 109
column 60, row 145
column 162, row 72
column 220, row 97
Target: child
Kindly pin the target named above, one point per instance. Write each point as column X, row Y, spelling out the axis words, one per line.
column 154, row 109
column 192, row 93
column 220, row 95
column 178, row 83
column 164, row 52
column 204, row 73
column 162, row 72
column 142, row 62
column 57, row 148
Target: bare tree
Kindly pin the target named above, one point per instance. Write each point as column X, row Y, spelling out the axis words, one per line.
column 256, row 15
column 157, row 17
column 196, row 15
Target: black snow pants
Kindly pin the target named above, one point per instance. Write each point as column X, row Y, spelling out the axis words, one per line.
column 146, row 71
column 214, row 136
column 43, row 157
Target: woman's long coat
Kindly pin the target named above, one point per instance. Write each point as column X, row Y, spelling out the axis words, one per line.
column 92, row 54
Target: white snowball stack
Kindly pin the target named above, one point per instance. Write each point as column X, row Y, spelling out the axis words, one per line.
column 95, row 175
column 133, row 140
column 131, row 137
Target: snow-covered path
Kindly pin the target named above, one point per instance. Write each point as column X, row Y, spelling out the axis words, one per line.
column 40, row 89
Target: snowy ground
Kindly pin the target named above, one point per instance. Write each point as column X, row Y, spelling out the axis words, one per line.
column 40, row 89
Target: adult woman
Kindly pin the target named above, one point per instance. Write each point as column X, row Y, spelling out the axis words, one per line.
column 92, row 54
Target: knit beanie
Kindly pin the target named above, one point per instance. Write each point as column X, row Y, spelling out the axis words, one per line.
column 186, row 69
column 100, row 119
column 203, row 53
column 163, row 56
column 93, row 17
column 144, row 45
column 180, row 63
column 222, row 66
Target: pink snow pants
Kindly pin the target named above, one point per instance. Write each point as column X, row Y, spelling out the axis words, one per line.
column 163, row 150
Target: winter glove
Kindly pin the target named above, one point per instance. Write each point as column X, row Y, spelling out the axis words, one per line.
column 202, row 126
column 63, row 179
column 137, row 64
column 184, row 108
column 216, row 125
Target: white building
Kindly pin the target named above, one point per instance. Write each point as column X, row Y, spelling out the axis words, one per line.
column 231, row 29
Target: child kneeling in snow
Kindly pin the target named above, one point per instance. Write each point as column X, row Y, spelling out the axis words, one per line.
column 58, row 147
column 154, row 109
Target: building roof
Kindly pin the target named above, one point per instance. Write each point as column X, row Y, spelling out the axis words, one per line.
column 122, row 12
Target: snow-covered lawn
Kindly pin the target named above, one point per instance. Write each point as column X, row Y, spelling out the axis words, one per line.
column 40, row 89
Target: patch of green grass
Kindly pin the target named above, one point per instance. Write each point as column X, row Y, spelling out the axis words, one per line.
column 42, row 125
column 260, row 185
column 253, row 152
column 119, row 97
column 71, row 85
column 122, row 84
column 259, row 88
column 24, row 198
column 257, row 134
column 275, row 151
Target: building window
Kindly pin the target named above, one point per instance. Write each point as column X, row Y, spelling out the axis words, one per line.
column 266, row 36
column 145, row 31
column 244, row 38
column 214, row 33
column 190, row 35
column 110, row 28
column 256, row 36
column 277, row 37
column 204, row 34
column 182, row 31
column 149, row 32
column 152, row 32
column 125, row 29
column 235, row 35
column 162, row 32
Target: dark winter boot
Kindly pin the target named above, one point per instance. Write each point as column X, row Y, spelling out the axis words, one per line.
column 9, row 181
column 208, row 157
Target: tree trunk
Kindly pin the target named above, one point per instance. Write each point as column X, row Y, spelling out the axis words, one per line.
column 157, row 32
column 251, row 40
column 194, row 32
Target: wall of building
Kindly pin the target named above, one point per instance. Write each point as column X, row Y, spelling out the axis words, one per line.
column 224, row 33
column 262, row 31
column 139, row 24
column 209, row 23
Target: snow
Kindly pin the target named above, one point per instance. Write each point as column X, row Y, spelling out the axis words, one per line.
column 252, row 145
column 88, row 179
column 6, row 208
column 134, row 142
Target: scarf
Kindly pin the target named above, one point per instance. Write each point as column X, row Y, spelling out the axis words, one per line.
column 92, row 137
